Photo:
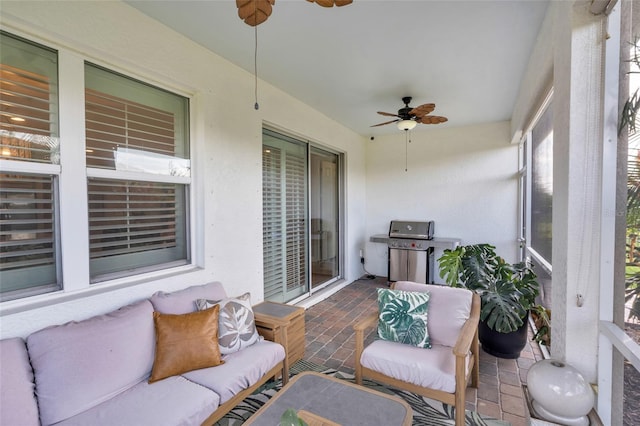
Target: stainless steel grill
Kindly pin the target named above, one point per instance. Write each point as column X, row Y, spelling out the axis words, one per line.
column 410, row 254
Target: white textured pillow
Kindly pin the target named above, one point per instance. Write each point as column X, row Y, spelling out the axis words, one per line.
column 237, row 328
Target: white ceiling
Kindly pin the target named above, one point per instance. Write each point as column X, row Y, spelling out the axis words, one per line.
column 467, row 57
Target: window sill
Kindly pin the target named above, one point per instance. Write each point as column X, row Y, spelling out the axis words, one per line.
column 49, row 299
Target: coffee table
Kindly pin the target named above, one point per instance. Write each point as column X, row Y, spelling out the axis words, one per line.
column 335, row 400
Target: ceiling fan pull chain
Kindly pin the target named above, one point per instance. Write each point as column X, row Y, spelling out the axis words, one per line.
column 255, row 67
column 406, row 149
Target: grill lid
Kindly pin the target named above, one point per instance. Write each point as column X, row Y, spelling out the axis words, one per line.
column 411, row 229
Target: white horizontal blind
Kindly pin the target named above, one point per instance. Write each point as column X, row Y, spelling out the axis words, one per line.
column 128, row 217
column 272, row 222
column 284, row 186
column 29, row 93
column 296, row 221
column 114, row 123
column 27, row 256
column 135, row 225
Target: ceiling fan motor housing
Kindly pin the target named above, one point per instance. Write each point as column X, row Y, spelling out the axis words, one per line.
column 403, row 113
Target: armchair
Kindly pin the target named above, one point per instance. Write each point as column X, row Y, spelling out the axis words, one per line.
column 440, row 373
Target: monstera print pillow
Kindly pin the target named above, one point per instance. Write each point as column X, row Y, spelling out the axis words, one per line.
column 403, row 317
column 236, row 328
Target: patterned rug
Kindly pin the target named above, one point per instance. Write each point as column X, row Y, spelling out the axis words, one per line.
column 426, row 412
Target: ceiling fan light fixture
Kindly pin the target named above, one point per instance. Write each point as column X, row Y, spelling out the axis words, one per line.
column 406, row 124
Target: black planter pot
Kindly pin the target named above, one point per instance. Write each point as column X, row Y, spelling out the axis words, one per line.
column 503, row 345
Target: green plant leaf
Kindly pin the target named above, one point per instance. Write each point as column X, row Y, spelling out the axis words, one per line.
column 290, row 418
column 501, row 309
column 506, row 291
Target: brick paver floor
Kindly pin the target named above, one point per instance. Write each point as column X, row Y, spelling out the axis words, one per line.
column 330, row 341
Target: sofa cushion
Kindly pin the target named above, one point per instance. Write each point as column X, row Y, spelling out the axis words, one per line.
column 170, row 402
column 237, row 327
column 17, row 399
column 79, row 365
column 449, row 309
column 240, row 370
column 185, row 342
column 183, row 301
column 431, row 368
column 403, row 316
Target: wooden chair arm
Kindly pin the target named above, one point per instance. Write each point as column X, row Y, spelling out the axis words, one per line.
column 359, row 328
column 469, row 329
column 366, row 322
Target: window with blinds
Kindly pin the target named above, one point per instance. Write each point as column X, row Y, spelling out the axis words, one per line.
column 28, row 198
column 132, row 127
column 134, row 224
column 28, row 88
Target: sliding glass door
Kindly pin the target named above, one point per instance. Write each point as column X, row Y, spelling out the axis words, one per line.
column 324, row 217
column 301, row 222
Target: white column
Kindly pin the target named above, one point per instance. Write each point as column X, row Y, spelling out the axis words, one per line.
column 579, row 39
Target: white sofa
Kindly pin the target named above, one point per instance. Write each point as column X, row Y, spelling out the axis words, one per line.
column 96, row 371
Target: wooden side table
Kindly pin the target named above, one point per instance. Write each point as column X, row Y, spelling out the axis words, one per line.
column 282, row 324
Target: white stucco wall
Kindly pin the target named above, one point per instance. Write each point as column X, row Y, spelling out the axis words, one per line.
column 226, row 142
column 462, row 178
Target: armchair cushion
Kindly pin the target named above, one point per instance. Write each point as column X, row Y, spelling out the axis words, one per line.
column 449, row 309
column 403, row 317
column 434, row 368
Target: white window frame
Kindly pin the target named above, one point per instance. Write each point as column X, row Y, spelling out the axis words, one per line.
column 73, row 175
column 529, row 250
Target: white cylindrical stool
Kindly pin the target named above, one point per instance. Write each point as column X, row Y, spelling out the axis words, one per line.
column 559, row 393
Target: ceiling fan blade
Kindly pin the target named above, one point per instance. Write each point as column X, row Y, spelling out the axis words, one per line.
column 431, row 119
column 422, row 110
column 331, row 3
column 387, row 114
column 254, row 12
column 386, row 122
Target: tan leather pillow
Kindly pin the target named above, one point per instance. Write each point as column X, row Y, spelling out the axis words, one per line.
column 185, row 342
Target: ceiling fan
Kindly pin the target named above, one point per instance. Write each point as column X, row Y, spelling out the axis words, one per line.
column 255, row 12
column 408, row 117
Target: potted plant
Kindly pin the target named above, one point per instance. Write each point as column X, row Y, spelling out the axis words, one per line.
column 541, row 317
column 507, row 293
